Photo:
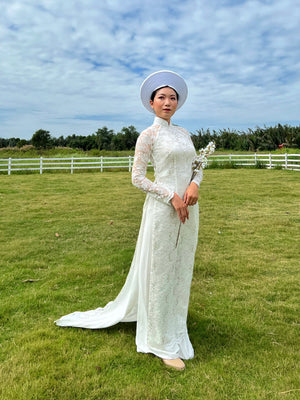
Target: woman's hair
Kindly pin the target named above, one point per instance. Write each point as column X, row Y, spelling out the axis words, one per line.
column 155, row 91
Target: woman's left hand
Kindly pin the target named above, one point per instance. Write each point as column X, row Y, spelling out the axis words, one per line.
column 191, row 194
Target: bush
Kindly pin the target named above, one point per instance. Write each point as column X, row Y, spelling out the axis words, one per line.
column 223, row 165
column 260, row 165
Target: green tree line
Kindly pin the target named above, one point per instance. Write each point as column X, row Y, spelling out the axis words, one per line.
column 258, row 139
column 102, row 139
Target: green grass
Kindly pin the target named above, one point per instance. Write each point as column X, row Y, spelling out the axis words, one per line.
column 65, row 152
column 74, row 236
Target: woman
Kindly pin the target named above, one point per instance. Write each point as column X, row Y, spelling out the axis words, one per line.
column 157, row 288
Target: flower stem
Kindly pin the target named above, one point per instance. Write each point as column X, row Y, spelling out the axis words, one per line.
column 178, row 235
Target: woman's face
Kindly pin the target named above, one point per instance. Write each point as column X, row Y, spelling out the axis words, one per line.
column 164, row 103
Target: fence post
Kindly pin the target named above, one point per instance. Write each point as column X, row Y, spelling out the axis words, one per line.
column 72, row 165
column 41, row 165
column 286, row 160
column 270, row 160
column 101, row 163
column 255, row 159
column 129, row 164
column 9, row 166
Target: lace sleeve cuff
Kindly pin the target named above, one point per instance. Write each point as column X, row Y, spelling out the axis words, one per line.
column 198, row 177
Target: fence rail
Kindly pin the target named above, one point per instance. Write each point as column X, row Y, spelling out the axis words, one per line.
column 284, row 161
column 9, row 165
column 72, row 164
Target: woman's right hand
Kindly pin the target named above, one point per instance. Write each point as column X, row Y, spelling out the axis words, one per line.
column 180, row 207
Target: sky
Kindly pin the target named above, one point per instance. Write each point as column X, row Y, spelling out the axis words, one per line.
column 74, row 66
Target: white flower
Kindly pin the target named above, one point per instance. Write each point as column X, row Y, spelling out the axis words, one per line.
column 200, row 161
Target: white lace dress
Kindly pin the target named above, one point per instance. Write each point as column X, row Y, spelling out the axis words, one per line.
column 157, row 288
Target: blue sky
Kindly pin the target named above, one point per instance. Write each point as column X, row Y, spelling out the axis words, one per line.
column 74, row 66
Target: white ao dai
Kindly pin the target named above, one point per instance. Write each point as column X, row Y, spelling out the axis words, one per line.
column 157, row 288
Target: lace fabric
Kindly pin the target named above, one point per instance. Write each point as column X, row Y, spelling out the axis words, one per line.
column 142, row 156
column 157, row 288
column 146, row 151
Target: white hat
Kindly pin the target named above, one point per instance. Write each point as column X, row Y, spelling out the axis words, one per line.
column 160, row 79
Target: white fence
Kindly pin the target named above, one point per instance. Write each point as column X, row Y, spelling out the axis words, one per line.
column 42, row 164
column 9, row 165
column 284, row 161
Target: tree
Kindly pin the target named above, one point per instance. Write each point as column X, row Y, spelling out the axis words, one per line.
column 202, row 138
column 103, row 138
column 126, row 139
column 130, row 136
column 41, row 139
column 21, row 143
column 59, row 142
column 4, row 142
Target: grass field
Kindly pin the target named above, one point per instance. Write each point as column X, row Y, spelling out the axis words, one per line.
column 66, row 244
column 64, row 152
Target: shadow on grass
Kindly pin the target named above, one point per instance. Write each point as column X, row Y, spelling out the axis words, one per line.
column 212, row 337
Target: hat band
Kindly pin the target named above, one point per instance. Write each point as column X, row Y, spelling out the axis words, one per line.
column 162, row 86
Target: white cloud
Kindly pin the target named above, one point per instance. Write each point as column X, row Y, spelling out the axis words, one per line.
column 74, row 66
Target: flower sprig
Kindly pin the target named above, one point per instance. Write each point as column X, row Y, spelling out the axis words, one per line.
column 200, row 161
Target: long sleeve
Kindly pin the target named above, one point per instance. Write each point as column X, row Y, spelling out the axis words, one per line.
column 198, row 177
column 142, row 156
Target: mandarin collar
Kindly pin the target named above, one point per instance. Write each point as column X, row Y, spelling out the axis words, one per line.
column 161, row 122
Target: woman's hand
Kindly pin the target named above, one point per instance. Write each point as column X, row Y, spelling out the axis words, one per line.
column 180, row 207
column 191, row 194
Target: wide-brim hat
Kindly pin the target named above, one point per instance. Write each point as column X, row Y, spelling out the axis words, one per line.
column 160, row 79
